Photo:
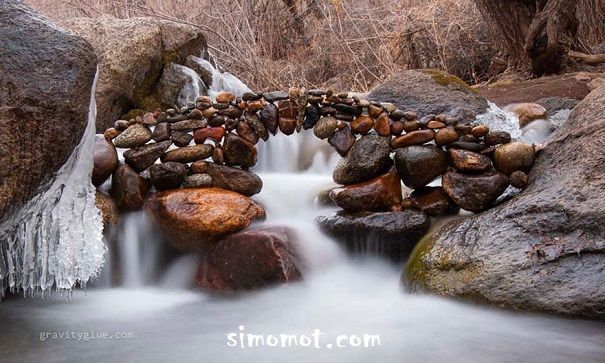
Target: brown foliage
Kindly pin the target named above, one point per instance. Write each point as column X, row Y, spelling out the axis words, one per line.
column 343, row 44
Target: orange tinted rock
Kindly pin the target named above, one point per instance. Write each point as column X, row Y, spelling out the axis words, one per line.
column 379, row 194
column 225, row 97
column 446, row 136
column 195, row 219
column 213, row 133
column 469, row 161
column 413, row 138
column 362, row 124
column 382, row 126
column 436, row 125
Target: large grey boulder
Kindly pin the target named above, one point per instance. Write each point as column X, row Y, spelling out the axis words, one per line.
column 431, row 92
column 543, row 250
column 46, row 76
column 132, row 55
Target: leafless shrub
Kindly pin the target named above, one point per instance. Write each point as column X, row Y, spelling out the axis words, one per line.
column 340, row 44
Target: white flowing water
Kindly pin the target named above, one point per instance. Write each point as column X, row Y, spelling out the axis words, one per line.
column 55, row 240
column 167, row 320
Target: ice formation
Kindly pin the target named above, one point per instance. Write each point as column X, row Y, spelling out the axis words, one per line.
column 56, row 238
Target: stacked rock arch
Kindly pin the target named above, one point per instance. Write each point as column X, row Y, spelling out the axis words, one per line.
column 204, row 152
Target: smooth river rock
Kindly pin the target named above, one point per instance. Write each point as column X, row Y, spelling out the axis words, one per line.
column 368, row 158
column 251, row 259
column 142, row 157
column 516, row 156
column 169, row 175
column 390, row 234
column 241, row 181
column 135, row 135
column 474, row 192
column 239, row 151
column 543, row 250
column 128, row 188
column 382, row 193
column 196, row 219
column 419, row 165
column 105, row 160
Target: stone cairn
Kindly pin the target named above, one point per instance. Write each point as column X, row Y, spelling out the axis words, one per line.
column 476, row 164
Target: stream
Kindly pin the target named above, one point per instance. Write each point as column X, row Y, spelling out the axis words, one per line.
column 155, row 316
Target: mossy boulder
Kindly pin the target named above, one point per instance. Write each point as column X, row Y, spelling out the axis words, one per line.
column 431, row 92
column 132, row 55
column 543, row 250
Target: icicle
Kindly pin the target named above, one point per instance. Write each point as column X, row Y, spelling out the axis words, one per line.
column 56, row 238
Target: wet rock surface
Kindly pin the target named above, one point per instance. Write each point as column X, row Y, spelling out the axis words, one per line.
column 132, row 54
column 43, row 103
column 196, row 219
column 382, row 193
column 238, row 180
column 128, row 188
column 391, row 234
column 474, row 192
column 419, row 165
column 251, row 259
column 542, row 250
column 434, row 201
column 142, row 157
column 167, row 175
column 369, row 157
column 431, row 92
column 105, row 160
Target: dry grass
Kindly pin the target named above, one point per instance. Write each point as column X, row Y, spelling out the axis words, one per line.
column 341, row 44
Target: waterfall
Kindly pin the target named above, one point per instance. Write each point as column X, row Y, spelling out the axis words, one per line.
column 221, row 82
column 56, row 238
column 497, row 119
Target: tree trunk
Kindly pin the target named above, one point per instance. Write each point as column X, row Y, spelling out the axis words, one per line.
column 536, row 35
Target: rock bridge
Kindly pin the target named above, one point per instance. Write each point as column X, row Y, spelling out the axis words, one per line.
column 209, row 147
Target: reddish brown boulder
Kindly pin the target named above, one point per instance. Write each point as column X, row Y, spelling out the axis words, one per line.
column 128, row 188
column 287, row 117
column 250, row 260
column 238, row 151
column 379, row 194
column 196, row 219
column 105, row 160
column 474, row 192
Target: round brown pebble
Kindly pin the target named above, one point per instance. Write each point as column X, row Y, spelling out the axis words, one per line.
column 111, row 133
column 436, row 125
column 411, row 126
column 397, row 128
column 519, row 179
column 121, row 125
column 463, row 129
column 446, row 136
column 479, row 131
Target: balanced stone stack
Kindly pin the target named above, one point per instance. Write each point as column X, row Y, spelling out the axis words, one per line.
column 212, row 144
